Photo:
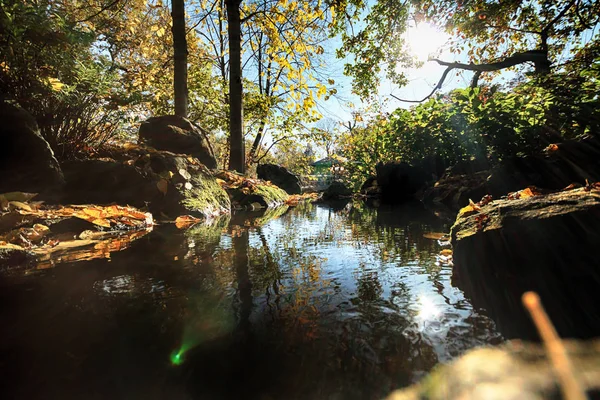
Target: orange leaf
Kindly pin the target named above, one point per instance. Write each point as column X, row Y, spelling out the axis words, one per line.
column 101, row 222
column 185, row 221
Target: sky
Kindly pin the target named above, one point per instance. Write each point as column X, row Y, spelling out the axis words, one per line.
column 423, row 40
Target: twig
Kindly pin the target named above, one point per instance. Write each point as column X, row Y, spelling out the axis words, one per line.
column 554, row 347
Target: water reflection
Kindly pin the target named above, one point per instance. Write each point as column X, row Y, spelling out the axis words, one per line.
column 313, row 302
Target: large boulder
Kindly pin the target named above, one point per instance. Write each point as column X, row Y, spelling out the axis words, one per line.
column 399, row 181
column 177, row 135
column 279, row 176
column 164, row 182
column 515, row 370
column 545, row 243
column 27, row 163
column 336, row 191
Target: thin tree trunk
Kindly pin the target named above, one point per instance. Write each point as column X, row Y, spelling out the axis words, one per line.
column 180, row 57
column 257, row 140
column 237, row 153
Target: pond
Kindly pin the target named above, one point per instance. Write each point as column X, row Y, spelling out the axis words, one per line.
column 315, row 303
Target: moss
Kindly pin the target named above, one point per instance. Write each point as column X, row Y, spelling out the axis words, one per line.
column 206, row 196
column 272, row 195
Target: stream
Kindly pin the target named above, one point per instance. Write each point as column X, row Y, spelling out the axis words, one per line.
column 315, row 303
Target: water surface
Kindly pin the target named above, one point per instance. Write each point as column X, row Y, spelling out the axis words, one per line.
column 317, row 303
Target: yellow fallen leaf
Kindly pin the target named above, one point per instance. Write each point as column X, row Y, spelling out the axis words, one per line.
column 468, row 210
column 5, row 245
column 94, row 212
column 20, row 205
column 446, row 252
column 101, row 222
column 434, row 235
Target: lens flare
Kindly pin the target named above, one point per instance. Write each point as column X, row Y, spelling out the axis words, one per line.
column 177, row 357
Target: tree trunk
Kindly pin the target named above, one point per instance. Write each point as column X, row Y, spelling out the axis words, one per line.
column 237, row 153
column 180, row 58
column 257, row 140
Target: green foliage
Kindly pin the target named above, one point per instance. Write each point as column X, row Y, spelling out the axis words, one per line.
column 377, row 46
column 48, row 67
column 478, row 123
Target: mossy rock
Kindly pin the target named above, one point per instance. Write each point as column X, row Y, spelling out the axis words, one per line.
column 268, row 196
column 191, row 188
column 166, row 183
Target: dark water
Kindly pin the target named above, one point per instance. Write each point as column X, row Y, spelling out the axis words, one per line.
column 316, row 304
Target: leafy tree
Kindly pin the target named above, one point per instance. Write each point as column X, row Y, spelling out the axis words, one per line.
column 47, row 65
column 500, row 35
column 282, row 64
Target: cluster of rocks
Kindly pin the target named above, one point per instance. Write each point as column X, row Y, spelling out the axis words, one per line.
column 171, row 171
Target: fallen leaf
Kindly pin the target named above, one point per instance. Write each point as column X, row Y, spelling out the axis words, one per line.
column 434, row 235
column 185, row 221
column 446, row 252
column 471, row 208
column 101, row 222
column 5, row 245
column 162, row 185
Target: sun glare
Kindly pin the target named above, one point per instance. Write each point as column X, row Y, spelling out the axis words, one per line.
column 427, row 310
column 425, row 40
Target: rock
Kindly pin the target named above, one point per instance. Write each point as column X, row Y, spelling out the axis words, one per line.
column 279, row 176
column 515, row 370
column 336, row 191
column 177, row 135
column 545, row 243
column 11, row 257
column 563, row 164
column 261, row 194
column 399, row 181
column 162, row 181
column 27, row 162
column 370, row 187
column 455, row 190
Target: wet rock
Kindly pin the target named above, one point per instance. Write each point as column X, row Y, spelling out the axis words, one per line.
column 26, row 161
column 14, row 257
column 513, row 371
column 279, row 176
column 545, row 243
column 161, row 181
column 336, row 191
column 399, row 181
column 177, row 135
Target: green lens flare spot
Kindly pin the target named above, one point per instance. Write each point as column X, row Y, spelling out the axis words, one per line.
column 177, row 357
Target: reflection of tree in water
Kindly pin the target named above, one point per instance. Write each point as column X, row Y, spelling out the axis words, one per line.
column 369, row 287
column 354, row 337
